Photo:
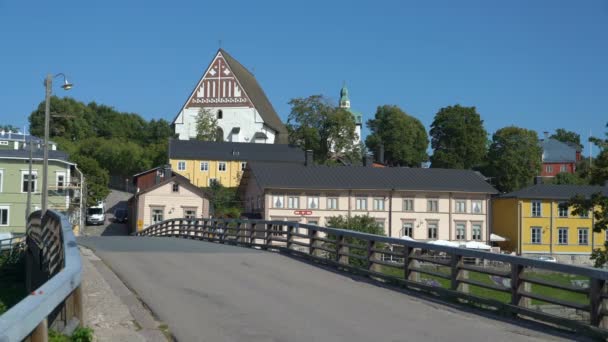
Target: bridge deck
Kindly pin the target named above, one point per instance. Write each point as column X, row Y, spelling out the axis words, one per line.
column 212, row 292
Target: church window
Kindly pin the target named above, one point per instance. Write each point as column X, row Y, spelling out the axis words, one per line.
column 220, row 114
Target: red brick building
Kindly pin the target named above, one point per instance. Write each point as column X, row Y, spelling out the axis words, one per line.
column 558, row 157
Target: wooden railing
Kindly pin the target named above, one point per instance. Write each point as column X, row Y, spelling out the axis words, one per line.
column 566, row 296
column 53, row 278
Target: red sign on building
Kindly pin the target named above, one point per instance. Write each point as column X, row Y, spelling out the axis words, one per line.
column 302, row 212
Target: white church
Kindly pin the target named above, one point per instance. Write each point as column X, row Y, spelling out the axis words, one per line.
column 229, row 91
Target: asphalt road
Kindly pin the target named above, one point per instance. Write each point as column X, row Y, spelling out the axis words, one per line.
column 116, row 199
column 212, row 292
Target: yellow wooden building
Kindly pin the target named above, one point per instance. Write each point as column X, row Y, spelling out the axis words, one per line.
column 536, row 221
column 205, row 162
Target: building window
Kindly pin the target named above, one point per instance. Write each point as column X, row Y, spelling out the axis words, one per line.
column 562, row 236
column 221, row 166
column 60, row 182
column 361, row 203
column 189, row 213
column 407, row 229
column 4, row 216
column 433, row 205
column 461, row 206
column 157, row 215
column 220, row 114
column 562, row 168
column 562, row 209
column 204, row 166
column 476, row 230
column 29, row 181
column 476, row 207
column 213, row 181
column 535, row 233
column 313, row 202
column 277, row 201
column 584, row 214
column 1, row 179
column 181, row 166
column 583, row 236
column 378, row 204
column 4, row 142
column 536, row 208
column 461, row 233
column 408, row 204
column 332, row 203
column 549, row 168
column 243, row 166
column 293, row 202
column 432, row 230
column 175, row 187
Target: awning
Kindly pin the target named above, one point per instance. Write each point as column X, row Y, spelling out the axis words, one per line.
column 497, row 238
column 477, row 245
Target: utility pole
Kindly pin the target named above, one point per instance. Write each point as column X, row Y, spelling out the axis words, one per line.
column 28, row 210
column 45, row 166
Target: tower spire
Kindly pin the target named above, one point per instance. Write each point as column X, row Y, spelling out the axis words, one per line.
column 344, row 99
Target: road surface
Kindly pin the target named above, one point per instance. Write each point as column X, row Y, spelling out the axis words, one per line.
column 211, row 292
column 116, row 199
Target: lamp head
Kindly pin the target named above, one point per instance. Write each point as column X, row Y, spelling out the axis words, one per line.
column 66, row 85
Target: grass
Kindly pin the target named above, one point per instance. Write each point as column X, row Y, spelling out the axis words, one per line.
column 504, row 297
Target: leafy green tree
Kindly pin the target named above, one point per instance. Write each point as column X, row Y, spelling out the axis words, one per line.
column 568, row 137
column 223, row 201
column 599, row 170
column 363, row 224
column 568, row 178
column 96, row 178
column 70, row 119
column 514, row 158
column 458, row 138
column 597, row 205
column 206, row 125
column 404, row 137
column 315, row 124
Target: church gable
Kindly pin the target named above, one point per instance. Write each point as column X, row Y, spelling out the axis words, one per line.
column 219, row 87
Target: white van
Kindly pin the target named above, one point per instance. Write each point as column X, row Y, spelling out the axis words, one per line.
column 96, row 214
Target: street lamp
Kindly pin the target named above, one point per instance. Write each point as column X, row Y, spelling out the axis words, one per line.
column 48, row 84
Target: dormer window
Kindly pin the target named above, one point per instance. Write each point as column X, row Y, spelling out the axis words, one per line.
column 175, row 187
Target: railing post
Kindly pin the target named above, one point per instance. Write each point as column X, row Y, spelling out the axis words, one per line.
column 516, row 282
column 408, row 264
column 595, row 300
column 341, row 250
column 312, row 241
column 79, row 305
column 252, row 233
column 267, row 236
column 371, row 256
column 290, row 228
column 455, row 263
column 41, row 332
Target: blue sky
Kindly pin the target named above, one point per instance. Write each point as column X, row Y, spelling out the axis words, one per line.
column 536, row 64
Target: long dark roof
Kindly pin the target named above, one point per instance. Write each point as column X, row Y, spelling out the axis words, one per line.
column 299, row 176
column 554, row 191
column 37, row 154
column 209, row 150
column 257, row 96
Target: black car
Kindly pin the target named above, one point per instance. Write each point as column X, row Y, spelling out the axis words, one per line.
column 120, row 216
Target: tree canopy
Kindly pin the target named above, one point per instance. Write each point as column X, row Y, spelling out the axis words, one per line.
column 206, row 125
column 458, row 138
column 599, row 170
column 404, row 137
column 566, row 136
column 514, row 158
column 568, row 178
column 315, row 124
column 597, row 205
column 363, row 224
column 106, row 142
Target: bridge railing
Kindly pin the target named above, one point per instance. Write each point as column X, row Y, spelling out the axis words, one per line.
column 53, row 279
column 566, row 296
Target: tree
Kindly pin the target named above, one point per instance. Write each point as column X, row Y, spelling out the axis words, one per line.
column 363, row 224
column 206, row 125
column 568, row 137
column 597, row 205
column 10, row 128
column 599, row 169
column 404, row 137
column 96, row 178
column 458, row 138
column 223, row 201
column 568, row 178
column 315, row 124
column 514, row 158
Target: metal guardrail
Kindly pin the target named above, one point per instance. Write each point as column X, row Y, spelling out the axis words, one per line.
column 53, row 280
column 511, row 285
column 12, row 244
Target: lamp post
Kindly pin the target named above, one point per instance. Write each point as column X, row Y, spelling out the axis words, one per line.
column 48, row 84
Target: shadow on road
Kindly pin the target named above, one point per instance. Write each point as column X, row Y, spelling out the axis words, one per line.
column 114, row 229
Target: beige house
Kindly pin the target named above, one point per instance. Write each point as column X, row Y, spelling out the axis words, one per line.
column 173, row 197
column 425, row 204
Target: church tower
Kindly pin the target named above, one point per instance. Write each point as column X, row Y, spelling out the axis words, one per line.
column 345, row 104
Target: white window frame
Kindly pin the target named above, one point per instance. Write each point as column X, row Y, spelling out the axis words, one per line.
column 408, row 204
column 310, row 200
column 539, row 235
column 405, row 227
column 293, row 202
column 219, row 166
column 460, row 206
column 476, row 227
column 549, row 168
column 586, row 235
column 175, row 187
column 57, row 175
column 8, row 215
column 204, row 166
column 181, row 165
column 378, row 204
column 432, row 205
column 331, row 201
column 35, row 173
column 478, row 204
column 435, row 230
column 189, row 209
column 533, row 211
column 561, row 207
column 278, row 199
column 152, row 209
column 563, row 168
column 562, row 232
column 461, row 231
column 212, row 180
column 360, row 203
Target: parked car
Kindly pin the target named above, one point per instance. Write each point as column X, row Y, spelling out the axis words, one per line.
column 120, row 215
column 546, row 258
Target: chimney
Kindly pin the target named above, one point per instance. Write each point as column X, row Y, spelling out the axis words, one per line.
column 381, row 154
column 368, row 160
column 308, row 159
column 167, row 171
column 546, row 134
column 538, row 180
column 157, row 178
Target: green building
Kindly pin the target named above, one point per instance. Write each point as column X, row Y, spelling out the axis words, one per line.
column 64, row 183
